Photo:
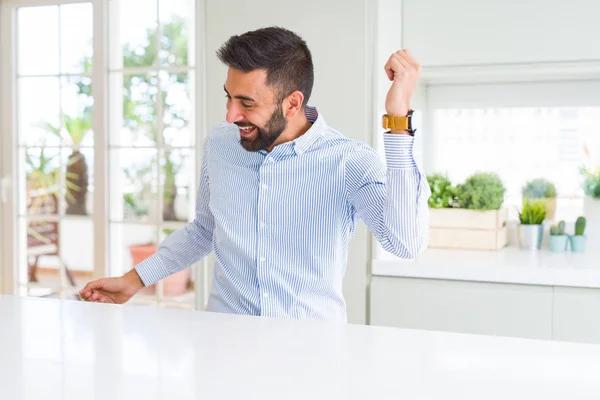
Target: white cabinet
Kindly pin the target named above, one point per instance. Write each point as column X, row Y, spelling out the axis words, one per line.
column 460, row 306
column 577, row 314
column 569, row 314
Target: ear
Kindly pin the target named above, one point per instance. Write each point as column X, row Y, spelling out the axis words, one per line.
column 292, row 104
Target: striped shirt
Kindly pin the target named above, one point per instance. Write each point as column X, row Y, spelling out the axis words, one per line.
column 279, row 222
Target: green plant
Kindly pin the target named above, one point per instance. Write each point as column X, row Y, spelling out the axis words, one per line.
column 139, row 114
column 76, row 176
column 558, row 229
column 580, row 226
column 591, row 182
column 442, row 191
column 481, row 191
column 533, row 212
column 538, row 189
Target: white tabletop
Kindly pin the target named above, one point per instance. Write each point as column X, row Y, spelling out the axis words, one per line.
column 509, row 265
column 52, row 349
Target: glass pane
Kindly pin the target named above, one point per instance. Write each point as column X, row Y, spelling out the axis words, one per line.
column 178, row 184
column 77, row 105
column 129, row 245
column 177, row 117
column 41, row 194
column 38, row 100
column 133, row 185
column 78, row 167
column 59, row 256
column 564, row 139
column 176, row 18
column 177, row 289
column 76, row 38
column 37, row 40
column 134, row 36
column 133, row 116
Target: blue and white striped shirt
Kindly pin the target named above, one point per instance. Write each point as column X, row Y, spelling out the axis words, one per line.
column 279, row 222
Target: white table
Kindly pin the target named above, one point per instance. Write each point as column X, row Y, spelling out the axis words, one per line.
column 53, row 349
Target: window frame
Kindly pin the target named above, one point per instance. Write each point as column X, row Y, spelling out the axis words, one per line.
column 100, row 125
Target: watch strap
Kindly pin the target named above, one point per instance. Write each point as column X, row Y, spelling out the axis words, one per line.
column 398, row 123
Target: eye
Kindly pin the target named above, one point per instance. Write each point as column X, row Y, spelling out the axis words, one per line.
column 246, row 105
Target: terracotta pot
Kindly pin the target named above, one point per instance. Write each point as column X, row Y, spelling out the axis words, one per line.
column 173, row 285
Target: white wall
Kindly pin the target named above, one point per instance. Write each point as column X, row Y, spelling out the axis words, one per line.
column 464, row 32
column 338, row 35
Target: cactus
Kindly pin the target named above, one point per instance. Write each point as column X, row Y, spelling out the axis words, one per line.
column 580, row 226
column 561, row 228
column 558, row 229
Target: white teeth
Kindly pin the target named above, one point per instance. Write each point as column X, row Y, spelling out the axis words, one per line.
column 247, row 128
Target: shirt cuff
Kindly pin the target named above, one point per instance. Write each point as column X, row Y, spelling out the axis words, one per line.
column 151, row 270
column 399, row 150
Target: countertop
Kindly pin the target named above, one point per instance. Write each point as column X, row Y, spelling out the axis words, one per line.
column 509, row 265
column 57, row 349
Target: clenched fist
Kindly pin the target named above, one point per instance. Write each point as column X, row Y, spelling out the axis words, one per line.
column 404, row 71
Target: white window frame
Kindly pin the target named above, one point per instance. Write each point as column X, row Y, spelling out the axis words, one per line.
column 100, row 77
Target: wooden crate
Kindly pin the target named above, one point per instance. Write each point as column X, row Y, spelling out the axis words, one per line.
column 454, row 228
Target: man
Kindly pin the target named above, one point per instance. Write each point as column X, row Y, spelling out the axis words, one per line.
column 280, row 191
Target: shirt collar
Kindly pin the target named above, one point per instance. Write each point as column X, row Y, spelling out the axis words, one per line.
column 302, row 143
column 306, row 140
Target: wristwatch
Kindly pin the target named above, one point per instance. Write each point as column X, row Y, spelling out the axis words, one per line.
column 396, row 123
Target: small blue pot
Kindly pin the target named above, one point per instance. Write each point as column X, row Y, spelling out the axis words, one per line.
column 558, row 243
column 578, row 243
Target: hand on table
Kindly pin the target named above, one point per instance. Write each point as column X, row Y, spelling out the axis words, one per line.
column 112, row 290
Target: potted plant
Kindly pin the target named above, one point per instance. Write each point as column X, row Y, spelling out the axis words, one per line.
column 591, row 201
column 481, row 191
column 468, row 216
column 532, row 217
column 542, row 189
column 558, row 238
column 442, row 191
column 76, row 175
column 578, row 240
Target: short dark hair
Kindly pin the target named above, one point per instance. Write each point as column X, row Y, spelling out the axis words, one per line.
column 282, row 53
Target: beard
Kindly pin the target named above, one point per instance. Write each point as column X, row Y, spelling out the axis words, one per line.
column 265, row 137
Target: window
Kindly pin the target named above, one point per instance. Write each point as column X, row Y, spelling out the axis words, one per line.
column 55, row 147
column 522, row 129
column 152, row 153
column 520, row 144
column 148, row 90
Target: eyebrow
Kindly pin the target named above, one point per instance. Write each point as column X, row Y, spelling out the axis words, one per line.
column 239, row 97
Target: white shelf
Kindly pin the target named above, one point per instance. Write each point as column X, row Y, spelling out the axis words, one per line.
column 510, row 265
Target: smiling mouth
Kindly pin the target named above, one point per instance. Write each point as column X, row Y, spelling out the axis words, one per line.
column 247, row 131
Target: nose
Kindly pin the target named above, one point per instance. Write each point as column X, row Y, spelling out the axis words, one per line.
column 234, row 113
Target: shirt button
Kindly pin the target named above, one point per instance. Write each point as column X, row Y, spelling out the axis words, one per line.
column 264, row 186
column 265, row 295
column 262, row 259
